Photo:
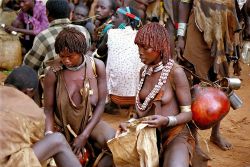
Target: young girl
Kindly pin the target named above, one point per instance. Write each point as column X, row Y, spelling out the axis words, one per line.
column 74, row 95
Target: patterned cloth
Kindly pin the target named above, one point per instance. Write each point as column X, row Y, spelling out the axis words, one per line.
column 123, row 64
column 39, row 20
column 22, row 124
column 43, row 49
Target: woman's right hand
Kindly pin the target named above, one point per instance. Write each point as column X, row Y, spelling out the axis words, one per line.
column 156, row 121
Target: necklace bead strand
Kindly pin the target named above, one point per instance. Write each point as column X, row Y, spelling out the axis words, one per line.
column 162, row 80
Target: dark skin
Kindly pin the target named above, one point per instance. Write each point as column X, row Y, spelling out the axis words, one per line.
column 26, row 6
column 177, row 154
column 216, row 138
column 103, row 12
column 185, row 9
column 56, row 146
column 53, row 145
column 80, row 13
column 95, row 128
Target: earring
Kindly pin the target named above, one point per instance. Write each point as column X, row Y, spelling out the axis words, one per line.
column 122, row 26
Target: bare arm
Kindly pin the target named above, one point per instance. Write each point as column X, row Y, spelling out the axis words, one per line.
column 49, row 96
column 23, row 31
column 18, row 26
column 183, row 95
column 184, row 12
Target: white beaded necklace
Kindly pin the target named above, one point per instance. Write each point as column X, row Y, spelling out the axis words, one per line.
column 154, row 69
column 162, row 80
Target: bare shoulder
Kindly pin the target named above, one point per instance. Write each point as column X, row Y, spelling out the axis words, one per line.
column 100, row 68
column 50, row 76
column 179, row 75
column 99, row 63
column 178, row 71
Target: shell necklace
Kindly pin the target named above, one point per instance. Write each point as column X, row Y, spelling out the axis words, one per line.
column 162, row 80
column 158, row 67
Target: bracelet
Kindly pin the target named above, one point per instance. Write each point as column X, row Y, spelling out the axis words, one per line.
column 172, row 121
column 181, row 29
column 186, row 1
column 48, row 132
column 185, row 108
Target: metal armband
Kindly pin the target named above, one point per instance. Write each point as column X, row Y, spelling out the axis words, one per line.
column 185, row 108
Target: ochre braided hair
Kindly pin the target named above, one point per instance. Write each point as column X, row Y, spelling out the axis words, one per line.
column 71, row 39
column 155, row 36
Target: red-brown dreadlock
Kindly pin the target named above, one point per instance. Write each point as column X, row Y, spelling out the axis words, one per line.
column 155, row 36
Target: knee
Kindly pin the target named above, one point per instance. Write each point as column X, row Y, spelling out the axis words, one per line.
column 59, row 141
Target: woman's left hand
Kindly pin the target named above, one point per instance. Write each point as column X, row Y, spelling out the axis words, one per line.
column 156, row 121
column 79, row 143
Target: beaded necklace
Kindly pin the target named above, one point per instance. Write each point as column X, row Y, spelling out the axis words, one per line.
column 158, row 67
column 162, row 80
column 78, row 67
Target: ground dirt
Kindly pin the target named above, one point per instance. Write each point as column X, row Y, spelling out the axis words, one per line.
column 235, row 128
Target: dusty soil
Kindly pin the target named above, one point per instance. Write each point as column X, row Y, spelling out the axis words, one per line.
column 235, row 127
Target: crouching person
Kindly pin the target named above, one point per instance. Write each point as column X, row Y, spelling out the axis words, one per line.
column 22, row 125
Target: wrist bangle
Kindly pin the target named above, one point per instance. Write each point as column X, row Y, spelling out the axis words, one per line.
column 48, row 132
column 181, row 29
column 186, row 1
column 172, row 121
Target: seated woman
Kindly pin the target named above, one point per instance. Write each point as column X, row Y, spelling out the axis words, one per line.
column 31, row 20
column 163, row 94
column 74, row 95
column 22, row 126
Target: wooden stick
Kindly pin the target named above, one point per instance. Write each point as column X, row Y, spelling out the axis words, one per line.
column 71, row 131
